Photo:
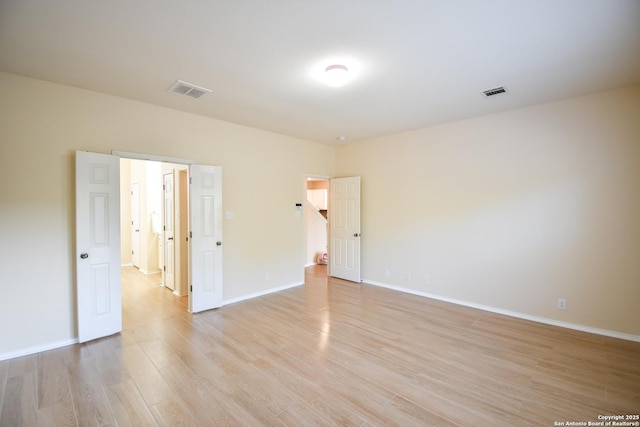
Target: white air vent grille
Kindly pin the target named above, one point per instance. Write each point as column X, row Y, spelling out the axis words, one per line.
column 495, row 91
column 188, row 89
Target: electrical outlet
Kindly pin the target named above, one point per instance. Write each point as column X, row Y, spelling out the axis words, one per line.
column 386, row 272
column 407, row 276
column 267, row 277
column 425, row 280
column 562, row 303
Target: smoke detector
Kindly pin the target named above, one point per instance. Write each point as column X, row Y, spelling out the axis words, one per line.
column 188, row 89
column 495, row 91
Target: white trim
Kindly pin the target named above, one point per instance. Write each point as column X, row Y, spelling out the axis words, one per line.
column 545, row 320
column 152, row 157
column 126, row 265
column 315, row 176
column 262, row 293
column 37, row 349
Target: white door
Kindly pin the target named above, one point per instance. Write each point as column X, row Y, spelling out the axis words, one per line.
column 344, row 229
column 135, row 224
column 205, row 214
column 98, row 245
column 169, row 230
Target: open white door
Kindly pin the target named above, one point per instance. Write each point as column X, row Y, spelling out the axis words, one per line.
column 205, row 211
column 344, row 229
column 99, row 301
column 169, row 230
column 135, row 224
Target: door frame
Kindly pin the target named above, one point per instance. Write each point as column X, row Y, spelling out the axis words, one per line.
column 206, row 183
column 163, row 159
column 165, row 220
column 135, row 235
column 304, row 228
column 189, row 163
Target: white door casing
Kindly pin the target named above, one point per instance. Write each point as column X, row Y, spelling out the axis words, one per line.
column 169, row 230
column 344, row 229
column 205, row 212
column 135, row 224
column 99, row 301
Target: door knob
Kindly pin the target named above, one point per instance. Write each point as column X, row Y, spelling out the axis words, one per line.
column 84, row 255
column 170, row 238
column 356, row 235
column 218, row 243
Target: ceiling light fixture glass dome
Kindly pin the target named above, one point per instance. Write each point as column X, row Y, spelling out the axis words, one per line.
column 336, row 75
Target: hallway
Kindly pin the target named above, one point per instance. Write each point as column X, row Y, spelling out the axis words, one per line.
column 144, row 298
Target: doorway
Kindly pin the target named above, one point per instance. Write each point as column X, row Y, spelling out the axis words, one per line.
column 99, row 224
column 316, row 205
column 154, row 219
column 339, row 235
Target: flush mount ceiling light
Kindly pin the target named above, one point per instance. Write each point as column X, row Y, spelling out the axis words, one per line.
column 338, row 70
column 336, row 75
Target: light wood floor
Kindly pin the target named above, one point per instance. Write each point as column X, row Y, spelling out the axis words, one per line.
column 327, row 353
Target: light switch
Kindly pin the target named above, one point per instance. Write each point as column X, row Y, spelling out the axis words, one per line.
column 228, row 214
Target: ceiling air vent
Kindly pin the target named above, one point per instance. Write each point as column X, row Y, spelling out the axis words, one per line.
column 495, row 91
column 188, row 89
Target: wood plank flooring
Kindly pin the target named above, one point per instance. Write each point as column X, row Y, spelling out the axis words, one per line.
column 327, row 353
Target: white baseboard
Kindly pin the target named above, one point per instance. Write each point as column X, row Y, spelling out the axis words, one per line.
column 261, row 293
column 614, row 334
column 149, row 272
column 539, row 319
column 126, row 265
column 37, row 349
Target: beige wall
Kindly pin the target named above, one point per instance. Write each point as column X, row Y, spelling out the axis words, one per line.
column 41, row 126
column 512, row 210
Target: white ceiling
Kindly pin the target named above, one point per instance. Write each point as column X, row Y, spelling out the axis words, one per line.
column 415, row 63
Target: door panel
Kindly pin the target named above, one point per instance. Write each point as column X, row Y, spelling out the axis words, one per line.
column 135, row 224
column 205, row 212
column 183, row 224
column 98, row 245
column 344, row 214
column 169, row 234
